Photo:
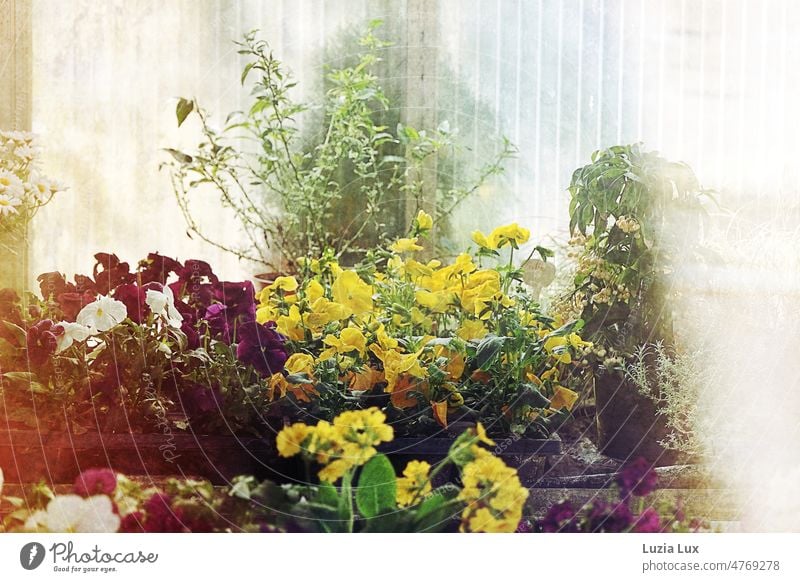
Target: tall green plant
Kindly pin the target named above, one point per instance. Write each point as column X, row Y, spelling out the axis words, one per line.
column 635, row 215
column 286, row 189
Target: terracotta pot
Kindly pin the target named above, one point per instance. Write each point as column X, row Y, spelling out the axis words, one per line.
column 627, row 424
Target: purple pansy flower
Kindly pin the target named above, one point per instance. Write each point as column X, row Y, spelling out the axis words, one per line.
column 637, row 478
column 561, row 517
column 261, row 347
column 648, row 522
column 609, row 517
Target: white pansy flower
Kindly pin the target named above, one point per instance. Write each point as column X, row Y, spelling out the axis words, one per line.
column 103, row 314
column 163, row 303
column 75, row 514
column 73, row 332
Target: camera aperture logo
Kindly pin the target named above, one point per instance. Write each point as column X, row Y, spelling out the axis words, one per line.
column 32, row 555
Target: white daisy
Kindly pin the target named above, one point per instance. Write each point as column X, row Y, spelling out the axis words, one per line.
column 8, row 205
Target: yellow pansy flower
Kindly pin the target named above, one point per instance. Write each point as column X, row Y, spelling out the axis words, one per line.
column 266, row 313
column 350, row 340
column 472, row 329
column 351, row 291
column 291, row 325
column 508, row 234
column 313, row 291
column 436, row 302
column 395, row 364
column 482, row 240
column 286, row 284
column 405, row 245
column 563, row 398
column 300, row 364
column 424, row 220
column 556, row 346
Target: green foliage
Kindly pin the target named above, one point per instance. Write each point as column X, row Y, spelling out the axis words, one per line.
column 291, row 192
column 634, row 215
column 377, row 488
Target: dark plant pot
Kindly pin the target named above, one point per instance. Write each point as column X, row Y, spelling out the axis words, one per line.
column 627, row 424
column 524, row 454
column 27, row 456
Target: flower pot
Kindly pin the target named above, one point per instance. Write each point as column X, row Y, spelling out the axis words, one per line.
column 27, row 456
column 627, row 424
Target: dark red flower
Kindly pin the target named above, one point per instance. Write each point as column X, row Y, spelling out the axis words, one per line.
column 561, row 517
column 109, row 273
column 157, row 268
column 133, row 297
column 132, row 523
column 637, row 478
column 72, row 303
column 159, row 515
column 95, row 482
column 648, row 522
column 84, row 284
column 197, row 399
column 609, row 517
column 42, row 340
column 261, row 347
column 239, row 298
column 218, row 322
column 53, row 284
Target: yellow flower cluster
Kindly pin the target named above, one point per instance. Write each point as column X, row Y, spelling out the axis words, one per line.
column 493, row 494
column 346, row 443
column 415, row 483
column 377, row 324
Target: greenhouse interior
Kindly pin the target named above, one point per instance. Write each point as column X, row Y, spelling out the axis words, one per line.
column 399, row 266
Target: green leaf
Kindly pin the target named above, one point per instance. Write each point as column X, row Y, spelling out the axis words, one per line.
column 20, row 376
column 20, row 334
column 179, row 156
column 434, row 513
column 184, row 108
column 377, row 487
column 488, row 350
column 327, row 495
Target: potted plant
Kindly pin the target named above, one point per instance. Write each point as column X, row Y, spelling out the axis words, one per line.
column 633, row 216
column 433, row 344
column 154, row 369
column 306, row 180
